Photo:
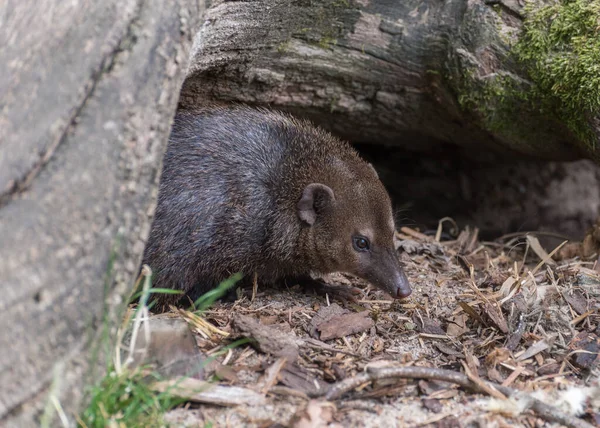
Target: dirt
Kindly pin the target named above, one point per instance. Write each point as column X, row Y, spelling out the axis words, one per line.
column 494, row 308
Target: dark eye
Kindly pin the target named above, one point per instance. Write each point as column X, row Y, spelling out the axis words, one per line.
column 360, row 243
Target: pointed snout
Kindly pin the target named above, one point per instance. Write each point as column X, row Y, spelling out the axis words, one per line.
column 387, row 274
column 400, row 284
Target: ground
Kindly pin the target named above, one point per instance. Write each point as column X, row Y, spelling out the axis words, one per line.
column 502, row 311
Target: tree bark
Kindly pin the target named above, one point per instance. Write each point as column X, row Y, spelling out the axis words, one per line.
column 88, row 90
column 420, row 74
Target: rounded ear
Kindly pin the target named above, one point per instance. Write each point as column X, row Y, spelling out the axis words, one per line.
column 316, row 197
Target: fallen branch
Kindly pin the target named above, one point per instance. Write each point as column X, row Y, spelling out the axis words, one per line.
column 543, row 410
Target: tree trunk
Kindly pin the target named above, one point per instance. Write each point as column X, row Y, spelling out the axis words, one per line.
column 415, row 73
column 88, row 91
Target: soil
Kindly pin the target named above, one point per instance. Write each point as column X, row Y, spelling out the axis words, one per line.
column 501, row 310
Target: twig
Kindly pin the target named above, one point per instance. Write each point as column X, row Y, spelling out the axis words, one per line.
column 453, row 230
column 317, row 344
column 544, row 411
column 482, row 385
column 414, row 234
column 538, row 233
column 198, row 322
column 545, row 259
column 254, row 287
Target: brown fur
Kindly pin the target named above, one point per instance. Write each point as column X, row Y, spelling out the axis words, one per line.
column 247, row 190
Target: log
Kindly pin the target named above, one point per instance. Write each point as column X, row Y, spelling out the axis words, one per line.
column 421, row 74
column 88, row 91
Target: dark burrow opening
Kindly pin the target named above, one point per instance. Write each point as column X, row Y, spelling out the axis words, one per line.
column 498, row 197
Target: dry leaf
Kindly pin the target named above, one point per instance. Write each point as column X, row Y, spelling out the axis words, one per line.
column 345, row 324
column 537, row 248
column 457, row 325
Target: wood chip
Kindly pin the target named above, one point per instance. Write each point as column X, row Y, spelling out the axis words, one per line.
column 547, row 369
column 300, row 379
column 577, row 301
column 496, row 317
column 515, row 337
column 537, row 347
column 585, row 348
column 471, row 312
column 271, row 375
column 513, row 376
column 428, row 326
column 444, row 394
column 581, row 317
column 269, row 319
column 204, row 392
column 227, row 373
column 432, row 387
column 448, row 350
column 267, row 339
column 340, row 325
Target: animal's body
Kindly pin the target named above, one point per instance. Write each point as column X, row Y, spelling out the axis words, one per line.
column 256, row 191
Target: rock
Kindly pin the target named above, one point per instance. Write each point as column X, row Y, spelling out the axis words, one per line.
column 171, row 349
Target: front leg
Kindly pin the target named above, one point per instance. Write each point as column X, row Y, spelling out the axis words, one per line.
column 342, row 293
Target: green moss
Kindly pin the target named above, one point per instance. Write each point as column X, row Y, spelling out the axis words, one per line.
column 326, row 42
column 284, row 46
column 486, row 92
column 560, row 48
column 327, row 23
column 554, row 90
column 497, row 100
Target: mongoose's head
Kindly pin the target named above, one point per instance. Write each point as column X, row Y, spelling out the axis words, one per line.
column 348, row 226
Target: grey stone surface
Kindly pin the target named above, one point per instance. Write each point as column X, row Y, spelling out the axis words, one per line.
column 88, row 91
